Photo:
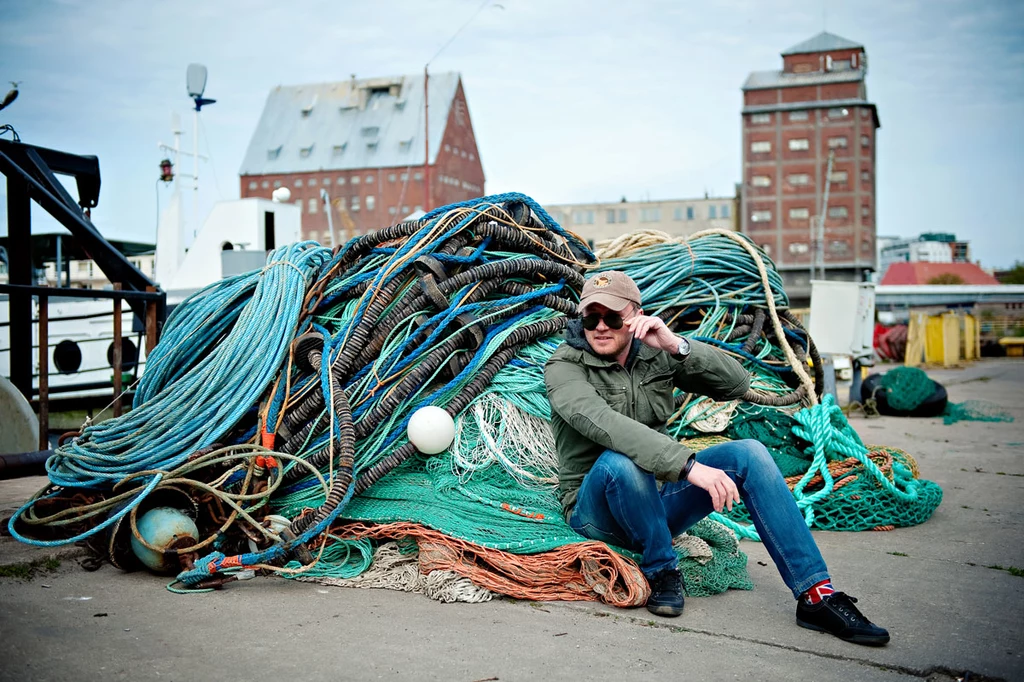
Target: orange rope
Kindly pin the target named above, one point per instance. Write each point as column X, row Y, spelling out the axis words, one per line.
column 583, row 571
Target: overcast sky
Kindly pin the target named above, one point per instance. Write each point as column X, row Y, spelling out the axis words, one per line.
column 570, row 101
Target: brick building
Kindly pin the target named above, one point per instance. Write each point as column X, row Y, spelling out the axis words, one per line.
column 363, row 141
column 793, row 120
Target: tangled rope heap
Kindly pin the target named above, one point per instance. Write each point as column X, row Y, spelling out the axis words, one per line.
column 286, row 393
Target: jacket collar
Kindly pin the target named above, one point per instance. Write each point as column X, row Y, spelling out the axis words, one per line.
column 575, row 337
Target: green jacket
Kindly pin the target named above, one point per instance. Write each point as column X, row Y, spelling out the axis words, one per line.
column 597, row 404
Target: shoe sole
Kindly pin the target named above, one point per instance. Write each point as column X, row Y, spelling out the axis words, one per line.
column 667, row 611
column 867, row 640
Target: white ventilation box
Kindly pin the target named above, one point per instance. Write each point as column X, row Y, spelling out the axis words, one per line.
column 843, row 317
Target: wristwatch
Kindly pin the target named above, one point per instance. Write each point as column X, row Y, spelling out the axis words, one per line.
column 684, row 348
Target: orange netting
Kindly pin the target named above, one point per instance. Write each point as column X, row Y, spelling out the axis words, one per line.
column 583, row 571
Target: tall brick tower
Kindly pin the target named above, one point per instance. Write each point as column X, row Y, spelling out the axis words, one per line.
column 793, row 121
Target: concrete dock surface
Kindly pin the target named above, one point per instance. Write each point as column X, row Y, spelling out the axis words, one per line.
column 944, row 589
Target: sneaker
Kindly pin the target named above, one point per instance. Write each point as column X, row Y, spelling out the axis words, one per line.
column 666, row 593
column 837, row 615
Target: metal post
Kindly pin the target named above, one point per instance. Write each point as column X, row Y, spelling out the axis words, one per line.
column 59, row 265
column 19, row 226
column 117, row 351
column 44, row 371
column 426, row 141
column 151, row 326
column 195, row 171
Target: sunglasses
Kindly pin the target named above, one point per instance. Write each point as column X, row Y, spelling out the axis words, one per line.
column 611, row 318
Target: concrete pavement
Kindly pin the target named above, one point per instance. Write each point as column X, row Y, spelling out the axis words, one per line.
column 934, row 586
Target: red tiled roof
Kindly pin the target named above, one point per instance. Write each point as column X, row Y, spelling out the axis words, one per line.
column 923, row 273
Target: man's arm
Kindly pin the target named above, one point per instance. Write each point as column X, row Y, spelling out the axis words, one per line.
column 581, row 406
column 708, row 371
column 704, row 370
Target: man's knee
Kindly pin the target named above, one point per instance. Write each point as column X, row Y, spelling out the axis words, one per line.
column 623, row 470
column 754, row 456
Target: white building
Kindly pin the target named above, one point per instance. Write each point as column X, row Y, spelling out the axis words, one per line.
column 677, row 217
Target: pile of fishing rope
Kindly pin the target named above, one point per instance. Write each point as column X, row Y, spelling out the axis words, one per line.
column 273, row 413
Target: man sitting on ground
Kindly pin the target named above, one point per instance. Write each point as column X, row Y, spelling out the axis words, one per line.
column 610, row 386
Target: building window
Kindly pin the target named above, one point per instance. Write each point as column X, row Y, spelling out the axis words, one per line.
column 865, row 246
column 340, row 181
column 404, row 177
column 799, row 214
column 839, row 177
column 369, row 179
column 312, row 182
column 623, row 215
column 272, row 154
column 304, row 152
column 391, row 177
column 337, row 150
column 314, row 235
column 298, row 183
column 799, row 144
column 798, row 247
column 610, row 216
column 277, row 183
column 712, row 212
column 312, row 206
column 463, row 153
column 838, row 113
column 865, row 176
column 677, row 213
column 299, row 204
column 253, row 184
column 341, row 202
column 650, row 215
column 837, row 142
column 355, row 204
column 471, row 156
column 767, row 248
column 447, row 148
column 838, row 212
column 760, row 216
column 865, row 210
column 799, row 179
column 689, row 212
column 864, row 113
column 724, row 213
column 865, row 141
column 265, row 184
column 355, row 179
column 371, row 201
column 798, row 116
column 761, row 181
column 760, row 118
column 405, row 210
column 583, row 217
column 838, row 246
column 760, row 147
column 417, row 176
column 392, row 210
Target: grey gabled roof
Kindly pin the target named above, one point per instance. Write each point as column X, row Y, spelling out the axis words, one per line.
column 823, row 42
column 366, row 123
column 759, row 80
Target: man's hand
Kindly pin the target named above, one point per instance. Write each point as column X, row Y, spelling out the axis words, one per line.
column 722, row 489
column 653, row 331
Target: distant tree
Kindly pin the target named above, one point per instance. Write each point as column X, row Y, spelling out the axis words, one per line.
column 1014, row 275
column 947, row 278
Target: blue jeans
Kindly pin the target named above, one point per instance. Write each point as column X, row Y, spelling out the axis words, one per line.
column 620, row 503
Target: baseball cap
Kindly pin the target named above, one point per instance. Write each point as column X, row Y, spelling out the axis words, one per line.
column 612, row 289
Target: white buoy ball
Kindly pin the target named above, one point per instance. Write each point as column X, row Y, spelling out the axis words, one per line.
column 431, row 430
column 281, row 194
